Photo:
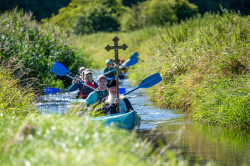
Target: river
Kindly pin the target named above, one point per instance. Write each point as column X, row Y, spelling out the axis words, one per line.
column 195, row 142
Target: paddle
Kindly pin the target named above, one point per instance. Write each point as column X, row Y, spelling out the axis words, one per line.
column 148, row 82
column 50, row 90
column 61, row 70
column 130, row 62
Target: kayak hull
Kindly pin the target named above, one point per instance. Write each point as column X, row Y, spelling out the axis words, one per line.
column 127, row 121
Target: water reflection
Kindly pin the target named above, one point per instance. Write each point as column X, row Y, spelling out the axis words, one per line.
column 201, row 143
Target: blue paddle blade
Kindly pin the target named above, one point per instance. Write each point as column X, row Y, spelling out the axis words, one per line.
column 134, row 56
column 50, row 90
column 59, row 69
column 122, row 90
column 131, row 62
column 150, row 81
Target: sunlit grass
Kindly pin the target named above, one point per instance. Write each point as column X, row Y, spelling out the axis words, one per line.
column 14, row 99
column 206, row 56
column 42, row 140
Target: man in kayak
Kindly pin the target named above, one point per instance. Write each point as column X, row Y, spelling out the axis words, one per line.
column 100, row 92
column 109, row 71
column 84, row 90
column 111, row 101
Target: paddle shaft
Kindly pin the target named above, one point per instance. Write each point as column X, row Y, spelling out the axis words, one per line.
column 148, row 82
column 114, row 70
column 81, row 82
column 131, row 91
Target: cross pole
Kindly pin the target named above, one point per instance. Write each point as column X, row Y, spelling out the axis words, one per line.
column 116, row 47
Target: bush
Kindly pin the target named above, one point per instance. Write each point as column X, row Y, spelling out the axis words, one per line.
column 37, row 47
column 157, row 12
column 95, row 13
column 96, row 19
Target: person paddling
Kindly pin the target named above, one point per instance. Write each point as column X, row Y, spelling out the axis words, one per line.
column 122, row 72
column 100, row 92
column 88, row 79
column 109, row 68
column 84, row 90
column 111, row 101
column 81, row 74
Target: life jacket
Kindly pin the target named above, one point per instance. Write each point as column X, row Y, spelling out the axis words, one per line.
column 101, row 94
column 111, row 74
column 85, row 91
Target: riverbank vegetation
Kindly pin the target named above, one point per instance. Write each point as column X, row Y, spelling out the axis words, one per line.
column 15, row 100
column 51, row 139
column 203, row 61
column 29, row 138
column 38, row 48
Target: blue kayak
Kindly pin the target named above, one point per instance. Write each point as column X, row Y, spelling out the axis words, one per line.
column 78, row 101
column 127, row 121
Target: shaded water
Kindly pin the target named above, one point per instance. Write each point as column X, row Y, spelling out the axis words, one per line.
column 194, row 141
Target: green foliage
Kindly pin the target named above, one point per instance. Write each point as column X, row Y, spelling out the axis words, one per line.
column 96, row 20
column 193, row 57
column 14, row 99
column 55, row 140
column 223, row 102
column 40, row 9
column 157, row 12
column 83, row 16
column 38, row 48
column 131, row 2
column 204, row 57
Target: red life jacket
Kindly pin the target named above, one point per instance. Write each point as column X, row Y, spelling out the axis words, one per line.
column 85, row 91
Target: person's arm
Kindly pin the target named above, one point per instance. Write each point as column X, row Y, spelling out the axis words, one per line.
column 75, row 86
column 128, row 104
column 104, row 71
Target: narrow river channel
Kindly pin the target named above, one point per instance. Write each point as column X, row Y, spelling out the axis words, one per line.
column 193, row 141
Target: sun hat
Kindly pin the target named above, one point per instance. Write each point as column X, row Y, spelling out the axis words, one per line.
column 100, row 77
column 88, row 71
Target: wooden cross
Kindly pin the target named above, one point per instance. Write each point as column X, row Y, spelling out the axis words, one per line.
column 117, row 61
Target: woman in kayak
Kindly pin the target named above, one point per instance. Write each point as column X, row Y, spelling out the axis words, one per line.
column 84, row 89
column 81, row 74
column 111, row 101
column 100, row 92
column 109, row 71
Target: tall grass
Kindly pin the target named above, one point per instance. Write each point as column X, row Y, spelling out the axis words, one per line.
column 38, row 47
column 15, row 100
column 204, row 63
column 54, row 140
